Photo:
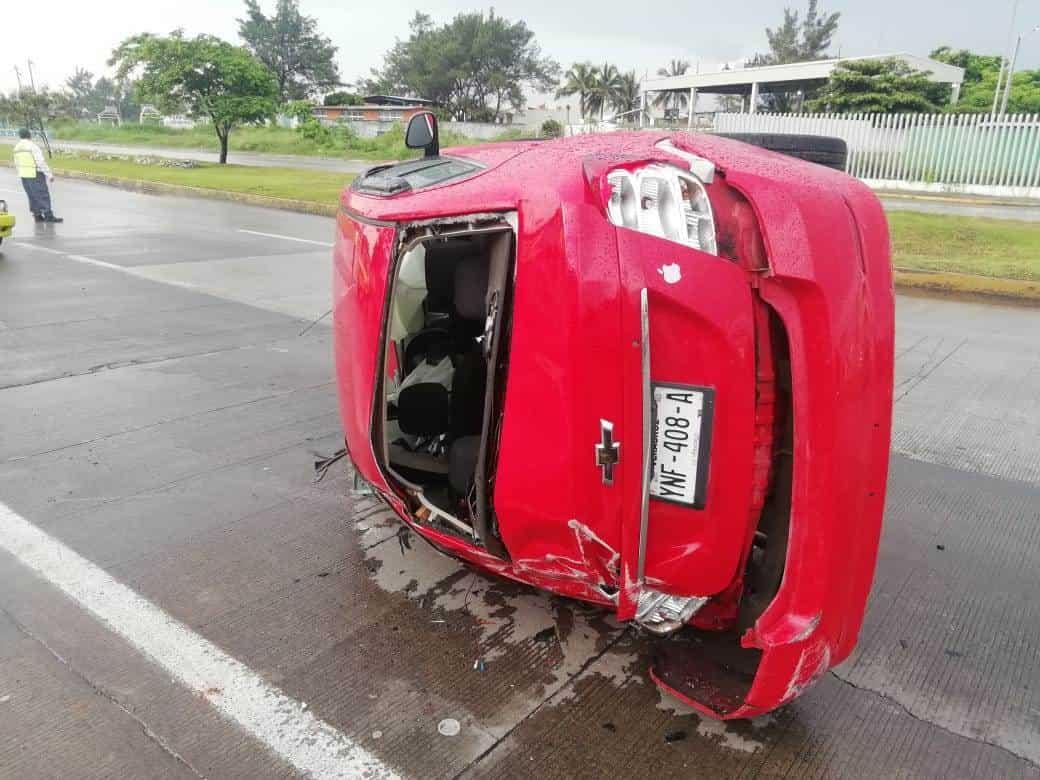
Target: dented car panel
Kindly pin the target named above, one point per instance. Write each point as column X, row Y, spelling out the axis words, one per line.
column 782, row 337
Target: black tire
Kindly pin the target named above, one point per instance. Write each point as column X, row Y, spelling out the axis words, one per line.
column 821, row 149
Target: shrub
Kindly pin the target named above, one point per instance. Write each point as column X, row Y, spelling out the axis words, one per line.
column 552, row 129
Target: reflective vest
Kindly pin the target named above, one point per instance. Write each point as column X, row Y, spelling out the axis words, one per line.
column 24, row 162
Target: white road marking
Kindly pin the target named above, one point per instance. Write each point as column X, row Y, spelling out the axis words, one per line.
column 286, row 238
column 283, row 724
column 99, row 263
column 38, row 248
column 78, row 258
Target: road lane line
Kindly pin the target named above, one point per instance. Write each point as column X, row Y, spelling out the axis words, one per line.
column 282, row 723
column 286, row 238
column 38, row 248
column 99, row 263
column 77, row 258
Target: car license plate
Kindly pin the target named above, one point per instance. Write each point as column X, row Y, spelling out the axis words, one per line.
column 681, row 427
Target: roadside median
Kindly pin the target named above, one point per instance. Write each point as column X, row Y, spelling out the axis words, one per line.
column 934, row 253
column 308, row 191
column 955, row 254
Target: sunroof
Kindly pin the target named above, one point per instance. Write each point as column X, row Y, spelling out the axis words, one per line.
column 413, row 175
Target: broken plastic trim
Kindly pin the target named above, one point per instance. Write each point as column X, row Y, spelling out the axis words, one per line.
column 663, row 613
column 701, row 168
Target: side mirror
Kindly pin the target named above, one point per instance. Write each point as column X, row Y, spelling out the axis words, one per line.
column 422, row 134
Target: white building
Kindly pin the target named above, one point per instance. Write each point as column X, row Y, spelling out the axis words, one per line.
column 749, row 83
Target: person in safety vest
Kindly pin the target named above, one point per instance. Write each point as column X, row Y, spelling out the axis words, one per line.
column 32, row 167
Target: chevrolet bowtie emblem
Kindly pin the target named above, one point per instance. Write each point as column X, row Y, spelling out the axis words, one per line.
column 608, row 451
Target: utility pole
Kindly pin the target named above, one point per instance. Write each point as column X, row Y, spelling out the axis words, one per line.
column 1010, row 76
column 1003, row 59
column 39, row 119
column 1011, row 72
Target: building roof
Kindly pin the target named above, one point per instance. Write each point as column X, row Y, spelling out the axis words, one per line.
column 739, row 80
column 397, row 100
column 368, row 107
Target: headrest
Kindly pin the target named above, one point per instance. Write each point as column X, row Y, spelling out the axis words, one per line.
column 441, row 256
column 471, row 283
column 424, row 409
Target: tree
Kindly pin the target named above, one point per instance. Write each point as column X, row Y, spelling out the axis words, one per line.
column 796, row 40
column 476, row 66
column 980, row 82
column 626, row 96
column 87, row 97
column 605, row 90
column 876, row 87
column 289, row 44
column 342, row 99
column 202, row 76
column 81, row 86
column 580, row 80
column 675, row 99
column 30, row 108
column 976, row 66
column 977, row 97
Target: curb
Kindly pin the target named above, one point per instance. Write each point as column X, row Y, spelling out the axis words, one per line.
column 962, row 200
column 183, row 190
column 948, row 284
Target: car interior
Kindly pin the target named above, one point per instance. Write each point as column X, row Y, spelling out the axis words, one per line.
column 444, row 323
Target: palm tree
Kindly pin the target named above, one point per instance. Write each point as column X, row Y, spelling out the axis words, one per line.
column 676, row 98
column 580, row 80
column 608, row 81
column 627, row 97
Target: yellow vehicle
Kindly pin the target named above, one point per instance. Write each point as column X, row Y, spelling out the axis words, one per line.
column 6, row 221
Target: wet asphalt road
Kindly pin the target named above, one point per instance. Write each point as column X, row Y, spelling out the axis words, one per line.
column 162, row 405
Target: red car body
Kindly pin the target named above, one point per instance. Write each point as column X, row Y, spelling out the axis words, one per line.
column 790, row 327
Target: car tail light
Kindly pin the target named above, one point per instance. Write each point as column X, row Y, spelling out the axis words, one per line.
column 663, row 201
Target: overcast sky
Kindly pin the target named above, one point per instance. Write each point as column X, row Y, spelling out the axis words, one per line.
column 61, row 34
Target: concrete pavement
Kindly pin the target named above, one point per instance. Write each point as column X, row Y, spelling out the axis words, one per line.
column 163, row 402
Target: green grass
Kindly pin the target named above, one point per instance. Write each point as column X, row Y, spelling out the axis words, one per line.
column 292, row 183
column 1005, row 249
column 270, row 140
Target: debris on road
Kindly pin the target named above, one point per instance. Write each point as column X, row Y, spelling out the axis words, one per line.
column 404, row 538
column 449, row 727
column 321, row 466
column 546, row 635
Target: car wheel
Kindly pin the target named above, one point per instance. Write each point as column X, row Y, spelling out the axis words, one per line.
column 824, row 150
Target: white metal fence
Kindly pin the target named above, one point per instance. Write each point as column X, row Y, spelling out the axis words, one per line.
column 969, row 153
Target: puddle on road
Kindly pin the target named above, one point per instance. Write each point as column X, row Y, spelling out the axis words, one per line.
column 512, row 618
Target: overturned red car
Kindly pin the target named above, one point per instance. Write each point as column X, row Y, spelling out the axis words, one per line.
column 648, row 370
